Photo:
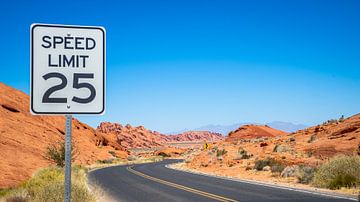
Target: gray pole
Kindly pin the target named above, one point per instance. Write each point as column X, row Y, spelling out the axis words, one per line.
column 68, row 137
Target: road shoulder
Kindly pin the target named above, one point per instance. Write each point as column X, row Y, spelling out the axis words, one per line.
column 315, row 191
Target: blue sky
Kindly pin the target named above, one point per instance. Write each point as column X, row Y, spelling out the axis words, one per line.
column 183, row 64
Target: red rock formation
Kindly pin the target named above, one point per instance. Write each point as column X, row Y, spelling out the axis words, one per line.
column 196, row 136
column 327, row 140
column 253, row 131
column 24, row 138
column 130, row 137
column 170, row 152
column 139, row 137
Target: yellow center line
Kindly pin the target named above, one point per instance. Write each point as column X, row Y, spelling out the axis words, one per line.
column 195, row 191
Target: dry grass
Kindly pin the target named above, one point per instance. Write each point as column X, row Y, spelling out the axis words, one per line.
column 48, row 185
column 341, row 171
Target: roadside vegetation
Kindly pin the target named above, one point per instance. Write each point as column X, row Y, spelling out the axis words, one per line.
column 341, row 171
column 56, row 153
column 48, row 185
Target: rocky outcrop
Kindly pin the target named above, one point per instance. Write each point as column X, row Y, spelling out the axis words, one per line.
column 24, row 138
column 253, row 131
column 198, row 136
column 331, row 138
column 123, row 137
column 127, row 136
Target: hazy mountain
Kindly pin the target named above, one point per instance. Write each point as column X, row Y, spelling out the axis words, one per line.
column 225, row 129
column 286, row 126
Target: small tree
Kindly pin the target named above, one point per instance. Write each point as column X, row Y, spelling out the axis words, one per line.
column 221, row 152
column 56, row 153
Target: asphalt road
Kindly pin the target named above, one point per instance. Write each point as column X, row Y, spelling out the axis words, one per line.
column 155, row 182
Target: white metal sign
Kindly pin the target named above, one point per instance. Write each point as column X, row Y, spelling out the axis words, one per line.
column 67, row 69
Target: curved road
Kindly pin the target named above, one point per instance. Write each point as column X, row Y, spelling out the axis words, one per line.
column 155, row 182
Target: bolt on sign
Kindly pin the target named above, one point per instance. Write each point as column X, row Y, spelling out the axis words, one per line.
column 67, row 69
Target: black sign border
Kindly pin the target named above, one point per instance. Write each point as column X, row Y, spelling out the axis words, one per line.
column 32, row 69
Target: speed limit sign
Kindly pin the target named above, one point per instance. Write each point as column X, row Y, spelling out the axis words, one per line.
column 67, row 69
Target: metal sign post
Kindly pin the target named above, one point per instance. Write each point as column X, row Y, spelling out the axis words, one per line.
column 67, row 66
column 68, row 157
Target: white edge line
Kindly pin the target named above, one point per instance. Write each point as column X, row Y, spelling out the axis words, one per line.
column 264, row 184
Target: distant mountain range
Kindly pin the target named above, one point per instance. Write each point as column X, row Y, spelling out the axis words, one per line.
column 225, row 129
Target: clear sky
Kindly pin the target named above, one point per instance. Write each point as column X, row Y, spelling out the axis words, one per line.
column 182, row 64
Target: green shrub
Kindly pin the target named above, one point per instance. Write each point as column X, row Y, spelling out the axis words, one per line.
column 341, row 171
column 281, row 148
column 4, row 192
column 242, row 154
column 292, row 139
column 56, row 153
column 312, row 138
column 131, row 158
column 260, row 164
column 106, row 161
column 342, row 118
column 163, row 154
column 330, row 121
column 220, row 152
column 277, row 167
column 343, row 181
column 305, row 174
column 112, row 153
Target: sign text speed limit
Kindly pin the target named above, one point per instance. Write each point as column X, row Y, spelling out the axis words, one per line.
column 67, row 69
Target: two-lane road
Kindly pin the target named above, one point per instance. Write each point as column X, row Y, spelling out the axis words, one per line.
column 155, row 182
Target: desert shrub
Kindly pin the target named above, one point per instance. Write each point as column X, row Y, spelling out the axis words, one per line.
column 341, row 171
column 277, row 167
column 281, row 148
column 330, row 121
column 220, row 152
column 131, row 158
column 242, row 154
column 292, row 139
column 290, row 171
column 4, row 192
column 260, row 164
column 105, row 161
column 56, row 153
column 312, row 139
column 342, row 118
column 112, row 153
column 305, row 174
column 163, row 154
